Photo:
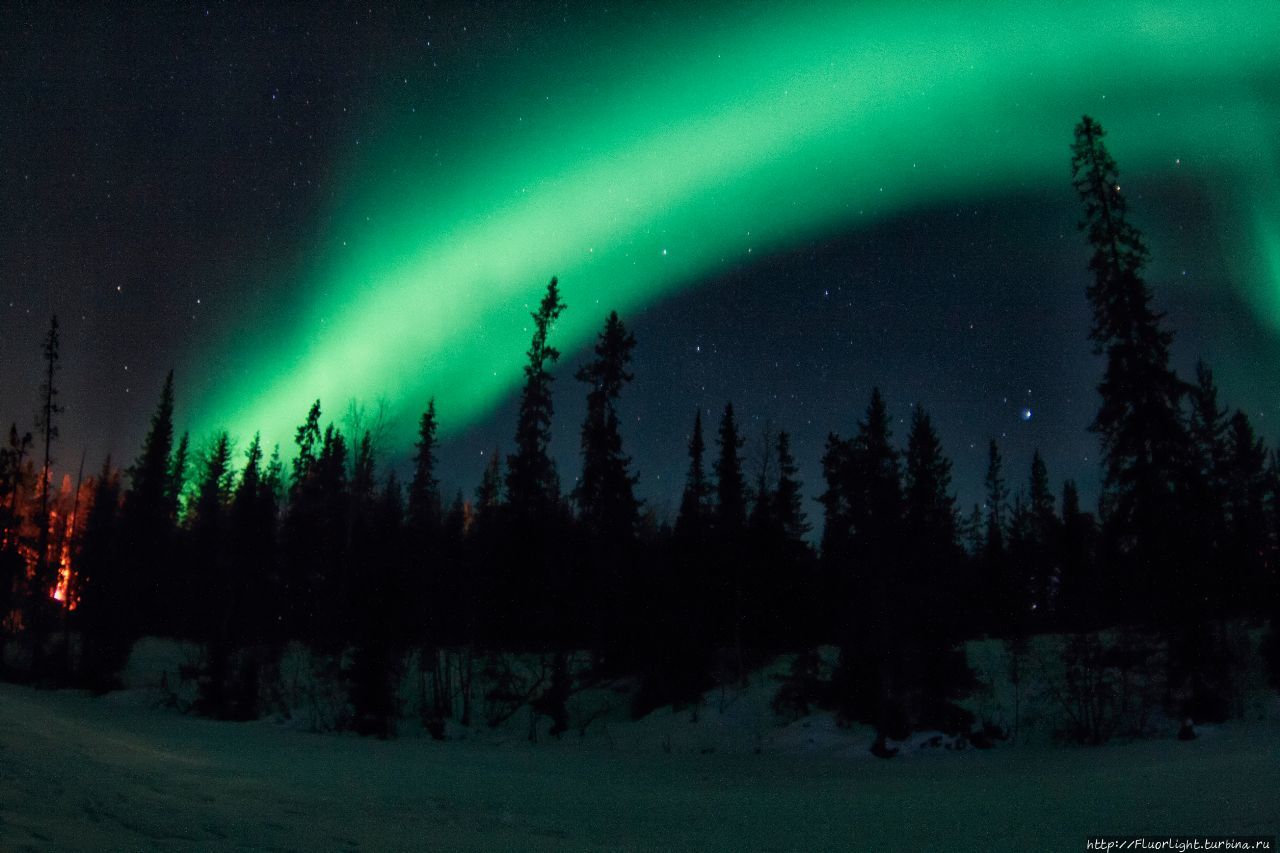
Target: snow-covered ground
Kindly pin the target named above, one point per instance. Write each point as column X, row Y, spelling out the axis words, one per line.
column 118, row 773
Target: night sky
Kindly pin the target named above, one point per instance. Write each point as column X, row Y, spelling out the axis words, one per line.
column 786, row 206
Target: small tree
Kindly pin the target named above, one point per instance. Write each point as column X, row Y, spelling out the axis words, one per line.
column 695, row 499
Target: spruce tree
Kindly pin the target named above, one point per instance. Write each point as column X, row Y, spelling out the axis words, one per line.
column 489, row 498
column 607, row 505
column 425, row 581
column 734, row 576
column 789, row 571
column 316, row 536
column 147, row 523
column 605, row 493
column 928, row 585
column 251, row 575
column 930, row 507
column 103, row 605
column 209, row 594
column 1144, row 441
column 533, row 488
column 695, row 499
column 424, row 488
column 686, row 601
column 864, row 481
column 788, row 501
column 731, row 487
column 307, row 439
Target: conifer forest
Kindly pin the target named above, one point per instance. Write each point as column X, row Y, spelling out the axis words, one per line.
column 849, row 418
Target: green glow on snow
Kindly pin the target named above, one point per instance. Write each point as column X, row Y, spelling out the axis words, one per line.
column 636, row 167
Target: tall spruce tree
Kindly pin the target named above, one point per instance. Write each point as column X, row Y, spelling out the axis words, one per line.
column 102, row 606
column 686, row 601
column 930, row 507
column 428, row 579
column 929, row 585
column 1144, row 441
column 207, row 590
column 424, row 488
column 533, row 488
column 209, row 594
column 605, row 496
column 733, row 571
column 785, row 593
column 489, row 498
column 147, row 523
column 252, row 574
column 605, row 493
column 316, row 536
column 864, row 484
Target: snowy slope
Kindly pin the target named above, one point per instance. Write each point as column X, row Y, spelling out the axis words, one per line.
column 79, row 773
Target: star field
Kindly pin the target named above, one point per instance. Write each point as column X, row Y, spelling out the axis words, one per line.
column 787, row 207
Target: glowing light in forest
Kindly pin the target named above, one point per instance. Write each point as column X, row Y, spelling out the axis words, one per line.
column 634, row 168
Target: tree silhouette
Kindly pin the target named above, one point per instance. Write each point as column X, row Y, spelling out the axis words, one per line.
column 1144, row 442
column 208, row 602
column 605, row 493
column 731, row 565
column 533, row 489
column 103, row 606
column 424, row 488
column 731, row 487
column 147, row 522
column 864, row 484
column 924, row 592
column 694, row 515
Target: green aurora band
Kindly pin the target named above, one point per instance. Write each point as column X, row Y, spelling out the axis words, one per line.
column 648, row 161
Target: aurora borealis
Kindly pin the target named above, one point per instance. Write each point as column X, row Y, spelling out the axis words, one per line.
column 638, row 155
